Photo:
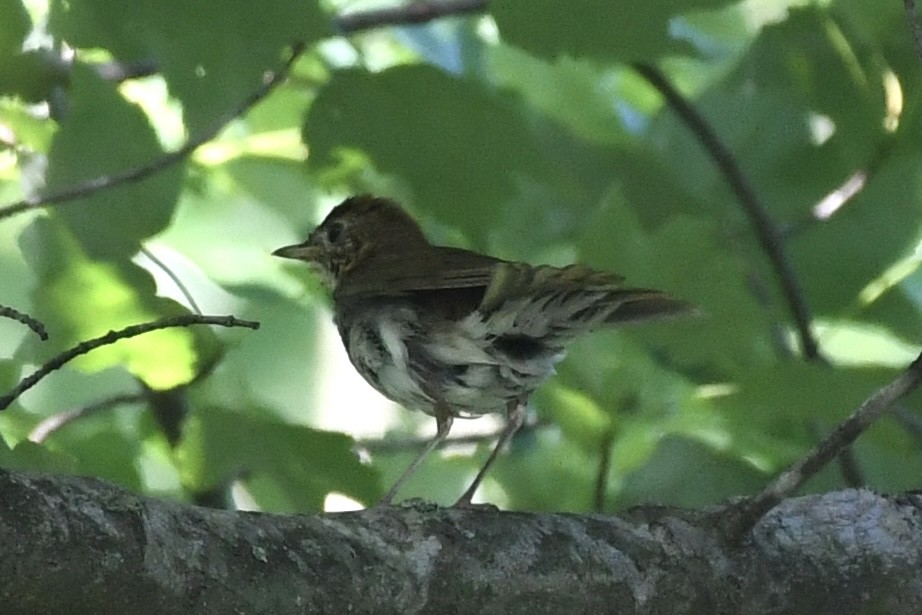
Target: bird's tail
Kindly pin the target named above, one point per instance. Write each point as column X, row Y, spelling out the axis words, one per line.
column 563, row 302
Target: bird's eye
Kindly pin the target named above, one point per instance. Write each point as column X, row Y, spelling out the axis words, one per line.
column 334, row 232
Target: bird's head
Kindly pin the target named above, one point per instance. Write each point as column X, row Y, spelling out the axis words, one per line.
column 353, row 233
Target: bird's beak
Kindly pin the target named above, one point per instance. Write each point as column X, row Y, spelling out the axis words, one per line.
column 302, row 252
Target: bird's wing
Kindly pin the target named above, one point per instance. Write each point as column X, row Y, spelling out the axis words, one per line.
column 563, row 301
column 436, row 269
column 538, row 298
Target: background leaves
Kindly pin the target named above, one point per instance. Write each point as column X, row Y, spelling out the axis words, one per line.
column 524, row 131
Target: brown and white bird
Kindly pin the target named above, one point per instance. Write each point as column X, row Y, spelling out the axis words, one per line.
column 451, row 332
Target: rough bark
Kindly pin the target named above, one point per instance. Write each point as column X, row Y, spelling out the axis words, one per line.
column 80, row 545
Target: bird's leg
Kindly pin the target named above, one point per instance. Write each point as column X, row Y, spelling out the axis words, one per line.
column 515, row 416
column 443, row 421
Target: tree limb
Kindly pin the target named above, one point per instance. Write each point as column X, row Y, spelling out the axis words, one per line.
column 80, row 545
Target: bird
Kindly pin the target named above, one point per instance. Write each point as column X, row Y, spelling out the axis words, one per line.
column 452, row 332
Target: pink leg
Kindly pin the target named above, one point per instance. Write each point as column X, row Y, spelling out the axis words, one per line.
column 443, row 423
column 514, row 418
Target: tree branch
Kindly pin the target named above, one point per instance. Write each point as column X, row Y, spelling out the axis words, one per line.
column 789, row 481
column 912, row 16
column 110, row 338
column 77, row 544
column 104, row 182
column 406, row 14
column 33, row 323
column 765, row 228
column 55, row 422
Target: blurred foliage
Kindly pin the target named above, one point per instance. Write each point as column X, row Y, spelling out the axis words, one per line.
column 524, row 132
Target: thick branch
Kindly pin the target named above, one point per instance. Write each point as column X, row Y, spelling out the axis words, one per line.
column 82, row 545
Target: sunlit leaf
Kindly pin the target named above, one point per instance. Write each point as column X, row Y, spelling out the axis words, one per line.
column 220, row 446
column 80, row 299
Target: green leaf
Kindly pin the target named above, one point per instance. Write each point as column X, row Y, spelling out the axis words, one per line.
column 33, row 76
column 688, row 258
column 571, row 91
column 33, row 132
column 102, row 135
column 30, row 456
column 14, row 26
column 9, row 374
column 776, row 410
column 600, row 29
column 687, row 473
column 541, row 471
column 80, row 299
column 102, row 450
column 415, row 122
column 835, row 283
column 198, row 47
column 218, row 446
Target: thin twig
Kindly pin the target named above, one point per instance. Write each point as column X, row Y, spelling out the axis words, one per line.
column 350, row 23
column 601, row 479
column 913, row 17
column 831, row 446
column 408, row 444
column 104, row 182
column 406, row 14
column 123, row 71
column 55, row 422
column 765, row 228
column 908, row 421
column 849, row 468
column 113, row 336
column 33, row 323
column 175, row 278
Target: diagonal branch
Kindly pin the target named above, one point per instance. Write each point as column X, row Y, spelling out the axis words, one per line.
column 832, row 445
column 766, row 230
column 110, row 338
column 55, row 422
column 104, row 182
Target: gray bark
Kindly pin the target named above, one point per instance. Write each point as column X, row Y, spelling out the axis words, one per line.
column 80, row 545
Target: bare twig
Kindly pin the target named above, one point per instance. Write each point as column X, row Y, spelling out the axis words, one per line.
column 601, row 479
column 110, row 338
column 350, row 23
column 173, row 277
column 123, row 71
column 765, row 228
column 104, row 182
column 913, row 17
column 849, row 468
column 55, row 422
column 408, row 444
column 831, row 446
column 908, row 421
column 32, row 323
column 410, row 13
